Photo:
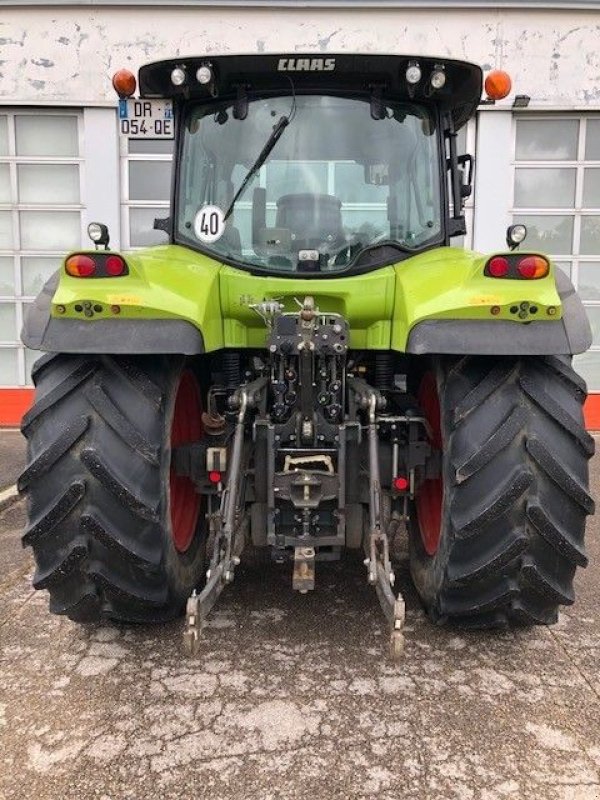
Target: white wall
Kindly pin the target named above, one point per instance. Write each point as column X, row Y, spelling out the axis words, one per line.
column 67, row 55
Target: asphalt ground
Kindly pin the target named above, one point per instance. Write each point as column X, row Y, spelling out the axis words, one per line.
column 292, row 697
column 12, row 457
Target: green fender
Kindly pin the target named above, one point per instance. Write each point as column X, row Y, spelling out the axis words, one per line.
column 445, row 304
column 175, row 300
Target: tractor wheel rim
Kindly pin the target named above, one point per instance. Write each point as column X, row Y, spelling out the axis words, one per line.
column 186, row 426
column 430, row 497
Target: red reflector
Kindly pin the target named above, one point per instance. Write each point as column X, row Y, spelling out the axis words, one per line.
column 115, row 265
column 400, row 483
column 214, row 476
column 80, row 266
column 498, row 267
column 533, row 267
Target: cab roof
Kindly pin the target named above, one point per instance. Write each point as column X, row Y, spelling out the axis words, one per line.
column 383, row 75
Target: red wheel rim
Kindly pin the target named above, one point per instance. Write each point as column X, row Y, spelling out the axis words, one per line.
column 185, row 427
column 430, row 497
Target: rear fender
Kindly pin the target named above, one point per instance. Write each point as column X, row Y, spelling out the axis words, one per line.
column 444, row 303
column 168, row 303
column 41, row 331
column 569, row 335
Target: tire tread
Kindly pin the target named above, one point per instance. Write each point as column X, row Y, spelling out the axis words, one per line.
column 516, row 493
column 80, row 373
column 125, row 429
column 71, row 433
column 97, row 467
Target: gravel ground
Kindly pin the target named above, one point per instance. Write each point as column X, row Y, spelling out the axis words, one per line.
column 291, row 697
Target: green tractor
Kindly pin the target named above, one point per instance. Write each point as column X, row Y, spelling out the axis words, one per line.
column 307, row 367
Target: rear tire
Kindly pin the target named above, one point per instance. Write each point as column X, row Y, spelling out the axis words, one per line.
column 514, row 496
column 99, row 488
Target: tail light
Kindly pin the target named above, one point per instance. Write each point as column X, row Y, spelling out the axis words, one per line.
column 400, row 483
column 517, row 267
column 80, row 266
column 533, row 267
column 115, row 266
column 498, row 267
column 96, row 265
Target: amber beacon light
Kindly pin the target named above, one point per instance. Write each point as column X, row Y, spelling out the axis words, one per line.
column 498, row 84
column 124, row 83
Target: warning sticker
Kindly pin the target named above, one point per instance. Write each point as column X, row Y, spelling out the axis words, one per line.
column 124, row 300
column 486, row 300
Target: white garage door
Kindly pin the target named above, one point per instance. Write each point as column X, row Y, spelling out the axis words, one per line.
column 40, row 217
column 557, row 195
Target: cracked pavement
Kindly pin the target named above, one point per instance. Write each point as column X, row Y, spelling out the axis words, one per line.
column 292, row 697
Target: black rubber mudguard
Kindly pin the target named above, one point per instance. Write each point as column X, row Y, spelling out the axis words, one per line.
column 109, row 336
column 567, row 336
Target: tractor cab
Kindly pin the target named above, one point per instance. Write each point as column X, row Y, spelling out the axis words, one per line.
column 320, row 166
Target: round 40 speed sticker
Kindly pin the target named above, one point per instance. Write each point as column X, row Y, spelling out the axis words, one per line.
column 209, row 224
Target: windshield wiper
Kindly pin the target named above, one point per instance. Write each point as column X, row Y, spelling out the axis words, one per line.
column 278, row 129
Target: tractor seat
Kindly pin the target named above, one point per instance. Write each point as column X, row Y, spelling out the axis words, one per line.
column 315, row 220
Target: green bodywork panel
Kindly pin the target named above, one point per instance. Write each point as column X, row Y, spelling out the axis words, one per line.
column 366, row 301
column 382, row 306
column 448, row 283
column 166, row 282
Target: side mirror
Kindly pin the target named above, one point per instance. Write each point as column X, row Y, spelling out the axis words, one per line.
column 162, row 224
column 99, row 235
column 515, row 234
column 466, row 186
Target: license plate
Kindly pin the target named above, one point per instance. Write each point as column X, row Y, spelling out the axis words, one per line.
column 146, row 119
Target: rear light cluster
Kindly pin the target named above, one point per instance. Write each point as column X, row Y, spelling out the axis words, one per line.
column 517, row 267
column 96, row 265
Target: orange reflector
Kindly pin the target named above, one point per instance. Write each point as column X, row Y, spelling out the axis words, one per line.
column 80, row 266
column 124, row 83
column 533, row 267
column 498, row 84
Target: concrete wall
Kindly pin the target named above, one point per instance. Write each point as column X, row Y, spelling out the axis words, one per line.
column 67, row 55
